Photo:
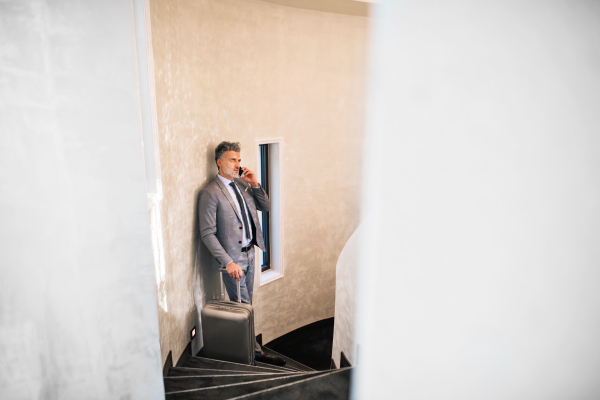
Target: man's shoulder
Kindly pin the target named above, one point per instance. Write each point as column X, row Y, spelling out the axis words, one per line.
column 211, row 188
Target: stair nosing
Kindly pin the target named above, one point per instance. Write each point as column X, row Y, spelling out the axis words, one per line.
column 233, row 363
column 281, row 368
column 222, row 376
column 247, row 383
column 328, row 372
column 228, row 370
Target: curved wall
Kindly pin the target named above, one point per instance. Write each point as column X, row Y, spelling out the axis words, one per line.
column 243, row 70
column 344, row 337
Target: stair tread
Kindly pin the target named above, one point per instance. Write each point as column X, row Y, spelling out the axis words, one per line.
column 289, row 362
column 201, row 362
column 187, row 371
column 180, row 383
column 238, row 389
column 331, row 385
column 285, row 368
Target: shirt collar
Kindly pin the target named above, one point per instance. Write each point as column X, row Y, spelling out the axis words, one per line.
column 225, row 181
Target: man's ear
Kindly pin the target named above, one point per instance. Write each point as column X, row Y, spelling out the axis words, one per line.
column 219, row 162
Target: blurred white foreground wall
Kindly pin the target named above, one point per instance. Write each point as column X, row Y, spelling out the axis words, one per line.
column 78, row 306
column 480, row 277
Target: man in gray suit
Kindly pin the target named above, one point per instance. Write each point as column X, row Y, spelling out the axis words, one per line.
column 229, row 226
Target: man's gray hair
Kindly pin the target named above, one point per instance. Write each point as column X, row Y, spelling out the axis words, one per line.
column 226, row 146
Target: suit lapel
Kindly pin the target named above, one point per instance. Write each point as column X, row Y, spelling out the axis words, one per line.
column 228, row 196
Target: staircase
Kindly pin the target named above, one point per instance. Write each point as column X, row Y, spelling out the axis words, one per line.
column 208, row 379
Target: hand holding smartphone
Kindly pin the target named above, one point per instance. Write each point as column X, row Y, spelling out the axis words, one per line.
column 248, row 176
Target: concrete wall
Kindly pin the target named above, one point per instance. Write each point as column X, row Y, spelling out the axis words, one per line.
column 486, row 244
column 242, row 70
column 78, row 313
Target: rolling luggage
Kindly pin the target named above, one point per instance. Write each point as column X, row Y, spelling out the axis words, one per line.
column 228, row 330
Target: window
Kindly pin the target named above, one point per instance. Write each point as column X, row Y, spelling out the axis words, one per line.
column 269, row 169
column 264, row 179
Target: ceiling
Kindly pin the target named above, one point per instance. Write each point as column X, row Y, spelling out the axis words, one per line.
column 348, row 7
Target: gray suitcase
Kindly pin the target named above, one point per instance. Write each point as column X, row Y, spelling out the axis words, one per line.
column 228, row 330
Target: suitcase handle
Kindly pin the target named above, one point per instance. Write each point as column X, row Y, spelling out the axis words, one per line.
column 238, row 284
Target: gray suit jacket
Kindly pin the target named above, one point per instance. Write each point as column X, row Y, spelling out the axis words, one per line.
column 220, row 224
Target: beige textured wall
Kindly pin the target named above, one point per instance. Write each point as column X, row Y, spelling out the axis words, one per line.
column 242, row 70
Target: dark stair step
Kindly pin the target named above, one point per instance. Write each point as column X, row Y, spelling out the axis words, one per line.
column 178, row 383
column 184, row 371
column 285, row 368
column 209, row 363
column 334, row 385
column 238, row 389
column 289, row 362
column 310, row 345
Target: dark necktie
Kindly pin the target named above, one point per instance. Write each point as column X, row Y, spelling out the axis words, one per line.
column 243, row 208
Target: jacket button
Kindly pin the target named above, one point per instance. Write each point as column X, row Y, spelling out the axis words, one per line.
column 240, row 242
column 240, row 227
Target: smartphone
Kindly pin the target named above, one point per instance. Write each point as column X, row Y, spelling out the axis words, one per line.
column 241, row 172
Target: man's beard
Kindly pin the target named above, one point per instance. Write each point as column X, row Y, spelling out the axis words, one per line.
column 229, row 172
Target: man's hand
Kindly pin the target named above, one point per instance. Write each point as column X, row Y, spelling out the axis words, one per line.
column 249, row 177
column 234, row 271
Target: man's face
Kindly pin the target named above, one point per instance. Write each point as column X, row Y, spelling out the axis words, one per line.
column 229, row 164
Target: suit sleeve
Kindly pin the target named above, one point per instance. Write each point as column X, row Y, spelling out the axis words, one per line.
column 207, row 214
column 261, row 199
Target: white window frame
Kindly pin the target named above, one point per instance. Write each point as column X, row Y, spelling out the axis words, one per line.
column 276, row 217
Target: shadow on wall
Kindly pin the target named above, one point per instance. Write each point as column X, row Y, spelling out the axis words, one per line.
column 207, row 282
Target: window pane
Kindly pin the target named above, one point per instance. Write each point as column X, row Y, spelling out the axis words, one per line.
column 264, row 172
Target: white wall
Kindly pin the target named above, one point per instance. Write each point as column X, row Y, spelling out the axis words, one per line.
column 483, row 264
column 346, row 275
column 78, row 316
